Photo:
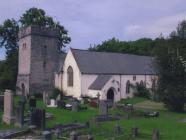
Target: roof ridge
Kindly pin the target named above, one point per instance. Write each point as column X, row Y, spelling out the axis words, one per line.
column 110, row 52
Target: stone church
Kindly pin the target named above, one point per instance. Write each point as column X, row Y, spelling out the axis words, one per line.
column 42, row 66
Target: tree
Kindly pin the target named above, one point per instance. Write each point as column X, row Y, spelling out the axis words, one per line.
column 9, row 39
column 142, row 46
column 35, row 16
column 172, row 74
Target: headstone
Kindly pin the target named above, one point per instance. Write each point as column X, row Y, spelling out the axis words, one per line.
column 53, row 102
column 37, row 118
column 75, row 106
column 47, row 135
column 155, row 134
column 19, row 117
column 32, row 102
column 103, row 107
column 8, row 107
column 135, row 132
column 1, row 102
column 73, row 135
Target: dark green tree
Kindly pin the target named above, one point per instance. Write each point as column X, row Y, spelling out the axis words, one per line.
column 9, row 39
column 142, row 46
column 172, row 72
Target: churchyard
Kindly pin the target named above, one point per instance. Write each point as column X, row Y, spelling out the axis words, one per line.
column 135, row 118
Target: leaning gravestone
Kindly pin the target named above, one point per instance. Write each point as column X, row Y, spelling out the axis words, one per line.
column 8, row 107
column 75, row 106
column 103, row 107
column 1, row 102
column 19, row 117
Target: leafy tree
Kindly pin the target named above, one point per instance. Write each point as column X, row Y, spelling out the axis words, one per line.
column 9, row 39
column 35, row 16
column 172, row 73
column 142, row 46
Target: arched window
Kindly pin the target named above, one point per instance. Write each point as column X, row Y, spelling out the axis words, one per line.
column 128, row 87
column 70, row 76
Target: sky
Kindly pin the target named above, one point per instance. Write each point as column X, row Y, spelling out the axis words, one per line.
column 90, row 22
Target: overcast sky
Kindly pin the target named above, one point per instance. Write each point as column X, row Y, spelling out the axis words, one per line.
column 93, row 21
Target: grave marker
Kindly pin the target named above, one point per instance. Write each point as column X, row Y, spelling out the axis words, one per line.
column 103, row 107
column 8, row 117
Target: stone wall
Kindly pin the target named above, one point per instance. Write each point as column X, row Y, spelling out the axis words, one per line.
column 38, row 58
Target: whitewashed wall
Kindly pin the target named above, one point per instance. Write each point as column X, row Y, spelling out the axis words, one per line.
column 75, row 90
column 83, row 81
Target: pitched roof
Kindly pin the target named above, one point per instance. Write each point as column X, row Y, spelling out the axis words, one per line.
column 100, row 81
column 90, row 62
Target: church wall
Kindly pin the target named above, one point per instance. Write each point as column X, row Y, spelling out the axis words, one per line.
column 86, row 81
column 118, row 83
column 75, row 90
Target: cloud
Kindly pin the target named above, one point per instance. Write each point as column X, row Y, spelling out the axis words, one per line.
column 154, row 28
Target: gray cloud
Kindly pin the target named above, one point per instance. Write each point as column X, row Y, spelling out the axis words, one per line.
column 91, row 22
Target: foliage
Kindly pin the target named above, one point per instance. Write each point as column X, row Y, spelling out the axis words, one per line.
column 140, row 90
column 172, row 72
column 144, row 46
column 9, row 40
column 35, row 16
column 55, row 93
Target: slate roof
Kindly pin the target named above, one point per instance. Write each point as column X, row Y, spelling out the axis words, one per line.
column 90, row 62
column 100, row 81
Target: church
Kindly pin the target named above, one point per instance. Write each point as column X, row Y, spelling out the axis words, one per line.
column 42, row 66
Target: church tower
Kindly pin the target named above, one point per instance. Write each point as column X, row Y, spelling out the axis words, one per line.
column 38, row 59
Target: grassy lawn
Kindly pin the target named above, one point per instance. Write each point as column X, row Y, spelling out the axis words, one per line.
column 167, row 122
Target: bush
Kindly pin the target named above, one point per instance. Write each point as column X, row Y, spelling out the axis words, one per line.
column 141, row 90
column 55, row 93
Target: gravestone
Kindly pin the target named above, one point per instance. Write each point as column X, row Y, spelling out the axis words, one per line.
column 73, row 135
column 103, row 107
column 19, row 117
column 1, row 102
column 47, row 135
column 32, row 102
column 75, row 106
column 37, row 118
column 8, row 117
column 155, row 134
column 135, row 132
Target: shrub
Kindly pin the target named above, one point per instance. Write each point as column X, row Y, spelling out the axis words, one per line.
column 140, row 90
column 55, row 93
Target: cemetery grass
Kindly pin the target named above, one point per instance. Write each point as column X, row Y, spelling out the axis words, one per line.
column 167, row 122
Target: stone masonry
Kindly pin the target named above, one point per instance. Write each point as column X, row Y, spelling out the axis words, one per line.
column 38, row 59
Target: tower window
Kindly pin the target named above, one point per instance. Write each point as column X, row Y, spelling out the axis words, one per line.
column 70, row 77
